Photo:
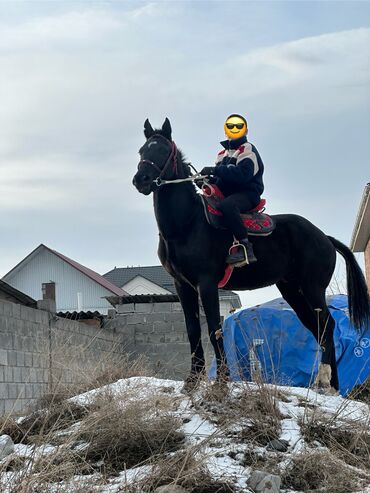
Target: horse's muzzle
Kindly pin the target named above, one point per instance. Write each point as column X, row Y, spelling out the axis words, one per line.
column 143, row 183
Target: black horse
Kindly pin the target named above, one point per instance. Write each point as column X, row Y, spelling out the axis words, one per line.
column 297, row 257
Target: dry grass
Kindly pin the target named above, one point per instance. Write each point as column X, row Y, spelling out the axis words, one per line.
column 112, row 434
column 39, row 425
column 347, row 440
column 184, row 469
column 120, row 436
column 254, row 412
column 85, row 375
column 109, row 434
column 361, row 392
column 320, row 471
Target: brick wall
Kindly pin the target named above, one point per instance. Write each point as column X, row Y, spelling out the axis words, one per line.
column 367, row 264
column 39, row 351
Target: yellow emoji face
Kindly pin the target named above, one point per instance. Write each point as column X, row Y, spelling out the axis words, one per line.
column 235, row 127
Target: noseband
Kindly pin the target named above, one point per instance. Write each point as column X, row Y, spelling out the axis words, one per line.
column 172, row 158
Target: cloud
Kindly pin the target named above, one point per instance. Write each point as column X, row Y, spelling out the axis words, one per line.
column 75, row 88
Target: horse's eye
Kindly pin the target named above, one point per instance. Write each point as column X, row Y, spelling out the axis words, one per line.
column 152, row 143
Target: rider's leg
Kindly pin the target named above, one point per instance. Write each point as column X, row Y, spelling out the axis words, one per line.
column 231, row 207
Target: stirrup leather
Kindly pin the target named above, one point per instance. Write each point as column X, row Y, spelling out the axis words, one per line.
column 237, row 244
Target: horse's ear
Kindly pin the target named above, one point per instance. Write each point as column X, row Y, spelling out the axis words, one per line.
column 148, row 129
column 166, row 129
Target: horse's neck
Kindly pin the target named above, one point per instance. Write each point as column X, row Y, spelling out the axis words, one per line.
column 176, row 207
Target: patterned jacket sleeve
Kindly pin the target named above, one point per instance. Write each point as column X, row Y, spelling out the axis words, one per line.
column 245, row 168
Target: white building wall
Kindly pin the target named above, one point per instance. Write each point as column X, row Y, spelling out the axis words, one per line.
column 47, row 267
column 140, row 285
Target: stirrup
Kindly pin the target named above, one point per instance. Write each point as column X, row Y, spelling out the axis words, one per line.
column 237, row 244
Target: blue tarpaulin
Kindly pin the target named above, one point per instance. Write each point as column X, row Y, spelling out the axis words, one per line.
column 269, row 339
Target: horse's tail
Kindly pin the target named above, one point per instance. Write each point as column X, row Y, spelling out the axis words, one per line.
column 358, row 296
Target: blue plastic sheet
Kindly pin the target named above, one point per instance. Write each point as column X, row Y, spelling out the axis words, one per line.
column 270, row 340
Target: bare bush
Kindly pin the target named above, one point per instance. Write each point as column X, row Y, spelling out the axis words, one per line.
column 120, row 436
column 39, row 425
column 320, row 471
column 348, row 440
column 186, row 469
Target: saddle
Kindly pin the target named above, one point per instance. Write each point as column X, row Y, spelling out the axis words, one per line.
column 256, row 221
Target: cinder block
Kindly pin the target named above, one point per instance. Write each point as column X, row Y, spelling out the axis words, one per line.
column 179, row 327
column 25, row 372
column 2, row 406
column 127, row 308
column 29, row 391
column 6, row 341
column 144, row 307
column 12, row 358
column 8, row 309
column 176, row 307
column 16, row 391
column 20, row 358
column 3, row 357
column 144, row 329
column 162, row 327
column 162, row 307
column 155, row 317
column 42, row 317
column 16, row 310
column 4, row 391
column 8, row 374
column 174, row 317
column 27, row 359
column 17, row 375
column 173, row 337
column 155, row 338
column 136, row 318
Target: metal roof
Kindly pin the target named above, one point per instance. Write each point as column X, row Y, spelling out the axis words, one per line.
column 142, row 298
column 361, row 231
column 158, row 275
column 18, row 295
column 154, row 273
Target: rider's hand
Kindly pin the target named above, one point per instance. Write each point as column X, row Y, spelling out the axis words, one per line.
column 208, row 170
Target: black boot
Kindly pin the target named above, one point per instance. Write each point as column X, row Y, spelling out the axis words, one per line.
column 238, row 258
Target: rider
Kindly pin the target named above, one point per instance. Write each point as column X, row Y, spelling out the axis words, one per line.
column 238, row 174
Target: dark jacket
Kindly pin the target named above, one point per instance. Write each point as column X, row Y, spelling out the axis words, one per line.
column 239, row 168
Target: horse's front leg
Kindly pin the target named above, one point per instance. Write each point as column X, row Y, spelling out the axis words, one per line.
column 208, row 291
column 190, row 305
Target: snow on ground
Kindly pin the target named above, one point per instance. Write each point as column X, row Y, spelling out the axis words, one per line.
column 221, row 453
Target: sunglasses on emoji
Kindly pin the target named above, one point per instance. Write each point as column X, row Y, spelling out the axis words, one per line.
column 232, row 125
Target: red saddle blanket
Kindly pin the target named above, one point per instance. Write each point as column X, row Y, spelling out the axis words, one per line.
column 256, row 221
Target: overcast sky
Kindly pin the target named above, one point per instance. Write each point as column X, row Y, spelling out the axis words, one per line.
column 78, row 79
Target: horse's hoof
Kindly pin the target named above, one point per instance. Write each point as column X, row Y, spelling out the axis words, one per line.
column 323, row 377
column 326, row 390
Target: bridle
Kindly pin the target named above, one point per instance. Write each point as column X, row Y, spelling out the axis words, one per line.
column 172, row 159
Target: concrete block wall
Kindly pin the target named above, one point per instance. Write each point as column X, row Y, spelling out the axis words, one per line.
column 159, row 332
column 34, row 343
column 23, row 366
column 39, row 351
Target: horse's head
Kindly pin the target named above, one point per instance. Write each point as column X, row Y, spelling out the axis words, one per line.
column 157, row 157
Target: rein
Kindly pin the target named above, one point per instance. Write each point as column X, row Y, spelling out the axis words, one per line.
column 172, row 157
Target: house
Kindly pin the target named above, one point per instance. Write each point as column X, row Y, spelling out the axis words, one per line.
column 361, row 232
column 155, row 280
column 46, row 273
column 8, row 293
